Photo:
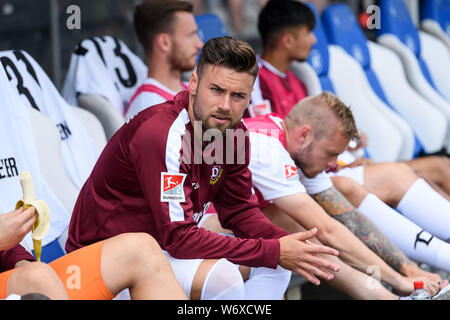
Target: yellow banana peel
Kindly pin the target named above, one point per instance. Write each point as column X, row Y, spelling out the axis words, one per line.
column 42, row 223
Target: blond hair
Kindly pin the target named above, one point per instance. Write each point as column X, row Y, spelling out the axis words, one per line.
column 316, row 110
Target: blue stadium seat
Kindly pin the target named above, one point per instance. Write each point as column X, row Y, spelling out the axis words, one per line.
column 342, row 29
column 210, row 26
column 342, row 74
column 438, row 11
column 435, row 36
column 399, row 34
column 397, row 21
column 319, row 57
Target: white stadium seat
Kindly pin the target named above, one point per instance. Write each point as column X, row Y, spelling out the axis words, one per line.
column 399, row 34
column 343, row 29
column 48, row 149
column 341, row 74
column 437, row 57
column 390, row 137
column 435, row 19
column 306, row 73
column 428, row 122
column 93, row 127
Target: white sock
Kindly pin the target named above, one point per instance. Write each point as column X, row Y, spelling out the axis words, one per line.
column 427, row 208
column 267, row 283
column 223, row 282
column 411, row 239
column 442, row 292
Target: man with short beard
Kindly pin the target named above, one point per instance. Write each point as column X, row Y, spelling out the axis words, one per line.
column 285, row 28
column 144, row 182
column 289, row 157
column 168, row 33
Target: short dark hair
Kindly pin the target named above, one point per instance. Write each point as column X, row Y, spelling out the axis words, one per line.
column 228, row 52
column 279, row 15
column 156, row 16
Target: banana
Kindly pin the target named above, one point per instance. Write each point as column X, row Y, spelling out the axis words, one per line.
column 42, row 223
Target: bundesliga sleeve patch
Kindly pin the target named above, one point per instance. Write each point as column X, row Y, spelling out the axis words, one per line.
column 172, row 187
column 259, row 109
column 289, row 171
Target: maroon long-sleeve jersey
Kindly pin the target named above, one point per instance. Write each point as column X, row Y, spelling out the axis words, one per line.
column 9, row 258
column 150, row 179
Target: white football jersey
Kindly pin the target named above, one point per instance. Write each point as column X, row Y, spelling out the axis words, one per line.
column 149, row 93
column 274, row 173
column 104, row 66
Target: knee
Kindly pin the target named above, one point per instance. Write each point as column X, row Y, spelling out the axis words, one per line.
column 281, row 275
column 138, row 248
column 224, row 281
column 395, row 170
column 446, row 161
column 441, row 165
column 351, row 190
column 342, row 185
column 37, row 275
column 38, row 270
column 137, row 242
column 268, row 283
column 226, row 272
column 392, row 182
column 424, row 175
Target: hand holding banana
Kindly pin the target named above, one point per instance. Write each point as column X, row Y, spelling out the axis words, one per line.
column 42, row 223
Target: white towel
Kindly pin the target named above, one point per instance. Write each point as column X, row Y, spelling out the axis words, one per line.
column 17, row 154
column 79, row 151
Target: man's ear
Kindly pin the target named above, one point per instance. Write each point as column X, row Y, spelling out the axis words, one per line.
column 304, row 135
column 287, row 39
column 163, row 42
column 193, row 83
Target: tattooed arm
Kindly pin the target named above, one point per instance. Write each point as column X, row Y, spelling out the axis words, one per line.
column 336, row 205
column 307, row 213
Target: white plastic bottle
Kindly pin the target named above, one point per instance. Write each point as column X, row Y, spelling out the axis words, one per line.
column 419, row 292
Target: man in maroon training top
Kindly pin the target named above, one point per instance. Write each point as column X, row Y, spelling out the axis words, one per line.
column 150, row 178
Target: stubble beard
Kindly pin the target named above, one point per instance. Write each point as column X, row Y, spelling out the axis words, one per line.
column 205, row 126
column 301, row 160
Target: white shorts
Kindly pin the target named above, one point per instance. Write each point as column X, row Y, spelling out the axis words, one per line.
column 356, row 174
column 185, row 270
column 204, row 218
